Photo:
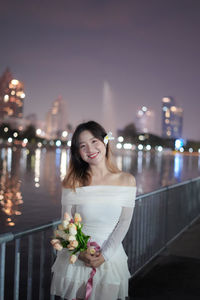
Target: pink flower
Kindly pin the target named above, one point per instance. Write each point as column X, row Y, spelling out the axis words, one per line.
column 67, row 216
column 77, row 218
column 74, row 243
column 56, row 244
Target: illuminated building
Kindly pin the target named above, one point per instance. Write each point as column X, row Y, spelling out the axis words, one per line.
column 56, row 119
column 11, row 96
column 145, row 120
column 172, row 118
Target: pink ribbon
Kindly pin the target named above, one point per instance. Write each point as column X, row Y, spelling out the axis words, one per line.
column 89, row 284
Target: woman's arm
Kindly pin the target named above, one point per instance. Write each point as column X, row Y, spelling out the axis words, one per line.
column 116, row 237
column 70, row 209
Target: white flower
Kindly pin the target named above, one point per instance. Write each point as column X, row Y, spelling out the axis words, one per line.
column 72, row 229
column 56, row 244
column 73, row 259
column 71, row 238
column 108, row 137
column 65, row 223
column 62, row 234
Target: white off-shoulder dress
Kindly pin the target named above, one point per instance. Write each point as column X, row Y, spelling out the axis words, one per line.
column 106, row 215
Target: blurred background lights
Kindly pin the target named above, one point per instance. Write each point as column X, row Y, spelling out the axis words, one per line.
column 199, row 150
column 15, row 134
column 15, row 81
column 64, row 134
column 144, row 108
column 58, row 143
column 179, row 143
column 69, row 143
column 6, row 98
column 140, row 147
column 119, row 146
column 160, row 148
column 127, row 146
column 190, row 150
column 5, row 129
column 10, row 140
column 181, row 149
column 120, row 139
column 25, row 141
column 140, row 113
column 141, row 137
column 148, row 147
column 38, row 131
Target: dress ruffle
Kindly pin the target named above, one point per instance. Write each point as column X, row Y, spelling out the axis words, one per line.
column 109, row 283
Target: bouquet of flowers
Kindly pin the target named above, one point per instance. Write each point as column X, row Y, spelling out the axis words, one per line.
column 69, row 235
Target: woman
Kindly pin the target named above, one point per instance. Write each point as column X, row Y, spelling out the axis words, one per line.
column 105, row 197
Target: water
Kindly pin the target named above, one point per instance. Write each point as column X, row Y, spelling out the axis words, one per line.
column 31, row 181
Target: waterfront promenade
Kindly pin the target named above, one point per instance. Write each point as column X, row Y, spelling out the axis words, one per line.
column 175, row 273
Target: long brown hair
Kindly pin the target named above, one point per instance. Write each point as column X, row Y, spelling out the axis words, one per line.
column 78, row 172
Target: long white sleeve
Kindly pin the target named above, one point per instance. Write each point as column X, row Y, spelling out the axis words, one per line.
column 70, row 209
column 118, row 234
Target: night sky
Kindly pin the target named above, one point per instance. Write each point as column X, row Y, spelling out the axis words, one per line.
column 144, row 49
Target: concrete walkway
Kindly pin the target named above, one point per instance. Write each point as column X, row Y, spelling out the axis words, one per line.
column 173, row 275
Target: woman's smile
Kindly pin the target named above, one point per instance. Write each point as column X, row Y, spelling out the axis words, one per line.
column 93, row 155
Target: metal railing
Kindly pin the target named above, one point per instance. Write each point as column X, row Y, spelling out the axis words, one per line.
column 159, row 217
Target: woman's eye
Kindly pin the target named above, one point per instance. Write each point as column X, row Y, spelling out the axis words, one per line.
column 94, row 141
column 82, row 146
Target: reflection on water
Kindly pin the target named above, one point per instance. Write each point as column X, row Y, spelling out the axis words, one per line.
column 37, row 167
column 155, row 170
column 178, row 165
column 36, row 175
column 10, row 194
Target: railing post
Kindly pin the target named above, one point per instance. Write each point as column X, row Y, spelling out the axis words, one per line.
column 4, row 238
column 2, row 269
column 42, row 255
column 30, row 267
column 17, row 269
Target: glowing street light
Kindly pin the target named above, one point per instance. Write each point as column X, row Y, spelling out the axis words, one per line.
column 15, row 81
column 120, row 139
column 64, row 134
column 38, row 131
column 15, row 134
column 119, row 146
column 148, row 147
column 58, row 143
column 140, row 147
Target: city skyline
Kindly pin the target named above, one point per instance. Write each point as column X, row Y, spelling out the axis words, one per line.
column 144, row 50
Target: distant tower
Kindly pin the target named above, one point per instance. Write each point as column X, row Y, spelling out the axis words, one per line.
column 172, row 118
column 108, row 121
column 56, row 119
column 145, row 120
column 11, row 96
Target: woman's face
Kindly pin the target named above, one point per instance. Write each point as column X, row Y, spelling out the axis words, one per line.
column 91, row 149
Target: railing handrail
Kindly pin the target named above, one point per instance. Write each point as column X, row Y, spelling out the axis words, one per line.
column 168, row 187
column 9, row 236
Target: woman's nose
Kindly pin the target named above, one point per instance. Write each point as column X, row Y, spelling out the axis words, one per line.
column 90, row 148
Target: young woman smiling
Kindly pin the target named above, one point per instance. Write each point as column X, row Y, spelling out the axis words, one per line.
column 105, row 198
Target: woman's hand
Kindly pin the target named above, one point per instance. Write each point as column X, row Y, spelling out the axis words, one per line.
column 93, row 261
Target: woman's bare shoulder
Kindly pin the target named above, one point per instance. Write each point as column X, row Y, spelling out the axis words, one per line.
column 127, row 179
